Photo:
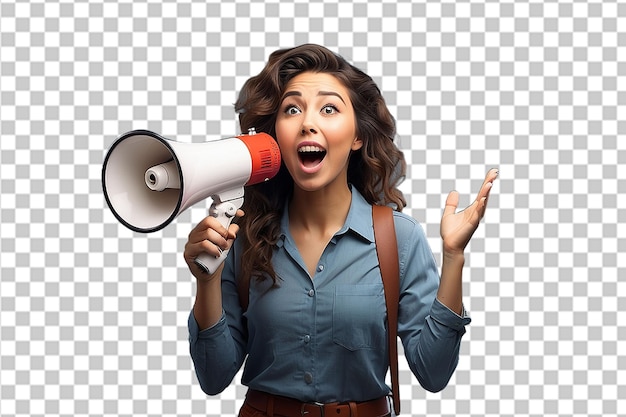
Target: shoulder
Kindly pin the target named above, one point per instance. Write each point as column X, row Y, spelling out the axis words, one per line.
column 409, row 232
column 402, row 219
column 405, row 224
column 406, row 227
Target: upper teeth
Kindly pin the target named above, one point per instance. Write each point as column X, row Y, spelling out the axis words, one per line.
column 310, row 148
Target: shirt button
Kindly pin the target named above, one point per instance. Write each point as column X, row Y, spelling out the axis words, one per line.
column 311, row 292
column 308, row 378
column 320, row 268
column 307, row 338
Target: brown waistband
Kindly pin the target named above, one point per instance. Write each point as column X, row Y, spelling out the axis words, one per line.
column 274, row 405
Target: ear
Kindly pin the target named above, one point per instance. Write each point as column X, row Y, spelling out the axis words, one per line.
column 357, row 144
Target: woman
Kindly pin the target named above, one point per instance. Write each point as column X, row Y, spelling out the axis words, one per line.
column 315, row 327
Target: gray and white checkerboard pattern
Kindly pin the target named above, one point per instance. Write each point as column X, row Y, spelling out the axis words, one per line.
column 93, row 316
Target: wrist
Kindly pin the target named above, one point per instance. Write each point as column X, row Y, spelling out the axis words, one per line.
column 453, row 257
column 207, row 280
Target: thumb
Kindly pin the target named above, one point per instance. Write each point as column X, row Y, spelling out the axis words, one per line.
column 452, row 202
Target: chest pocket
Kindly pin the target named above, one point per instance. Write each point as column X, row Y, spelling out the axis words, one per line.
column 359, row 316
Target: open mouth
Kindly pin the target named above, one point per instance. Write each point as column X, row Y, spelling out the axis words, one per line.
column 311, row 156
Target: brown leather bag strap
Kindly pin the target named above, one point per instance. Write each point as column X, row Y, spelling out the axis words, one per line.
column 387, row 251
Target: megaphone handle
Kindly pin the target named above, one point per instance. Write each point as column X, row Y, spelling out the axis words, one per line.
column 224, row 213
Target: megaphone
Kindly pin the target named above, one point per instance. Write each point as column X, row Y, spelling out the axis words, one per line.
column 149, row 180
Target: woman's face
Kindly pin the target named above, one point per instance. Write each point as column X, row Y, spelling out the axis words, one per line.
column 316, row 130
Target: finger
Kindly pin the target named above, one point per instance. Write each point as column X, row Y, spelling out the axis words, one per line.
column 487, row 184
column 452, row 202
column 483, row 198
column 193, row 250
column 240, row 213
column 233, row 228
column 484, row 191
column 201, row 231
column 492, row 174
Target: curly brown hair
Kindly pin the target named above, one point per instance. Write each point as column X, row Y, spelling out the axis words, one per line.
column 375, row 170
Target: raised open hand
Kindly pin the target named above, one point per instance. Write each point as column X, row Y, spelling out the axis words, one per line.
column 457, row 228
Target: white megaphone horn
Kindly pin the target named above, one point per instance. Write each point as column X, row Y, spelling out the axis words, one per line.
column 149, row 180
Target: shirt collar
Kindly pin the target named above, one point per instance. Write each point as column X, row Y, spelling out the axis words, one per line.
column 359, row 219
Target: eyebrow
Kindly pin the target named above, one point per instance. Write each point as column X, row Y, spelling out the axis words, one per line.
column 321, row 93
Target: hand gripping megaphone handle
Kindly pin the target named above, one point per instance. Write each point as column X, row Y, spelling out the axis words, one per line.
column 224, row 212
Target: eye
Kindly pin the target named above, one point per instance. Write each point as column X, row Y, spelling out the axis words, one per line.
column 292, row 110
column 329, row 109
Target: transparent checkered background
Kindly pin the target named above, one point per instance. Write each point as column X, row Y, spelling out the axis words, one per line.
column 93, row 316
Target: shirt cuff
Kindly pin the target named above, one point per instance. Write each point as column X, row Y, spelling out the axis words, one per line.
column 194, row 330
column 442, row 314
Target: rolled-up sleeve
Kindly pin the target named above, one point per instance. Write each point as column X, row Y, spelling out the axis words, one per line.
column 430, row 332
column 219, row 351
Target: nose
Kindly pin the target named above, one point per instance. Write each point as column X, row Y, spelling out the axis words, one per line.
column 309, row 123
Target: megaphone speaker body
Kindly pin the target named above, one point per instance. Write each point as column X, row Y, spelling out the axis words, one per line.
column 192, row 171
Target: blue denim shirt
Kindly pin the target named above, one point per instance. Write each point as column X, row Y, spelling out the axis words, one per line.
column 324, row 338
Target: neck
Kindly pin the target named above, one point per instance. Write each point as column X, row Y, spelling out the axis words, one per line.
column 321, row 209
